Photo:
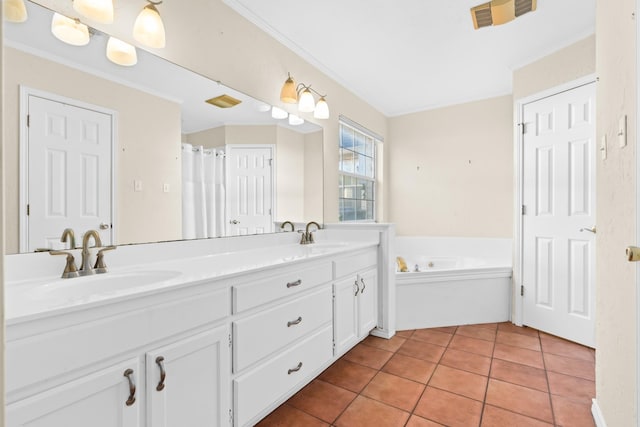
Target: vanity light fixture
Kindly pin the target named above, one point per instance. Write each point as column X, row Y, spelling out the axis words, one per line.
column 149, row 28
column 303, row 95
column 295, row 120
column 14, row 10
column 96, row 10
column 278, row 113
column 121, row 53
column 70, row 31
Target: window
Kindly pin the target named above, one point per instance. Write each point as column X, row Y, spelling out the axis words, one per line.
column 357, row 173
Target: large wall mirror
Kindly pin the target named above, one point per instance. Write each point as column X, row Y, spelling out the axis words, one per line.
column 136, row 152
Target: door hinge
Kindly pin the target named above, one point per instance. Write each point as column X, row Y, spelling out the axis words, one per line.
column 521, row 290
column 522, row 127
column 230, row 341
column 28, row 209
column 28, row 120
column 230, row 416
column 270, row 162
column 524, row 210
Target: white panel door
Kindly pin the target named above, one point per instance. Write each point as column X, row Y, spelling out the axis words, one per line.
column 101, row 399
column 345, row 314
column 69, row 176
column 559, row 198
column 367, row 302
column 249, row 189
column 188, row 382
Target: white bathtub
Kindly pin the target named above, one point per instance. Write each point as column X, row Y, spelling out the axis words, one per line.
column 459, row 281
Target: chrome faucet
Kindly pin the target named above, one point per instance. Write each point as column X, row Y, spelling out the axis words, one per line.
column 307, row 236
column 71, row 236
column 85, row 268
column 293, row 228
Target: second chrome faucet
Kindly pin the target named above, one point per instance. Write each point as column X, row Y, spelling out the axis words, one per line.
column 86, row 268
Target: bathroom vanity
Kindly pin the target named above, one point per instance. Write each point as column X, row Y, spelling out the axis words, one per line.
column 220, row 338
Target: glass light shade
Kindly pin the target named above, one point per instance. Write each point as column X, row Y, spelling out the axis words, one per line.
column 502, row 11
column 288, row 93
column 69, row 30
column 14, row 10
column 322, row 109
column 295, row 120
column 278, row 113
column 263, row 108
column 97, row 10
column 121, row 53
column 306, row 103
column 148, row 28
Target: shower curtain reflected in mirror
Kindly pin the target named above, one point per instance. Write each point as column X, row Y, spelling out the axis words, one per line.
column 203, row 192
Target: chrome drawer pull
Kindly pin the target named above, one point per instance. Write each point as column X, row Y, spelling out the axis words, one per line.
column 363, row 285
column 294, row 322
column 296, row 369
column 296, row 283
column 132, row 387
column 357, row 287
column 163, row 373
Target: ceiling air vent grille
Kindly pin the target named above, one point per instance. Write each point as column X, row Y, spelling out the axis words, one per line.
column 481, row 15
column 524, row 6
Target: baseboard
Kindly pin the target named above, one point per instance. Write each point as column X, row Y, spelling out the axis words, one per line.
column 382, row 333
column 598, row 418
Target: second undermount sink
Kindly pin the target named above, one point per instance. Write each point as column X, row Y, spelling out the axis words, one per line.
column 324, row 247
column 102, row 284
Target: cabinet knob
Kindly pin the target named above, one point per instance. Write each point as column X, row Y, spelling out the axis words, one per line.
column 294, row 322
column 363, row 285
column 357, row 287
column 296, row 369
column 296, row 283
column 132, row 387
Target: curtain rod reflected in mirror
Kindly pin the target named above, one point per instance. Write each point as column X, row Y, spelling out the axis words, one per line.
column 155, row 107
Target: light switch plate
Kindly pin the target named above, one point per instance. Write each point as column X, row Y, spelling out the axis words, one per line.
column 622, row 131
column 603, row 147
column 137, row 185
column 166, row 187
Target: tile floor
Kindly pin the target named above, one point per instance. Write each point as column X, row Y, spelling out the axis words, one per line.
column 473, row 375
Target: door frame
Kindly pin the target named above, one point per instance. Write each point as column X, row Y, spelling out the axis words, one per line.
column 518, row 153
column 227, row 159
column 23, row 218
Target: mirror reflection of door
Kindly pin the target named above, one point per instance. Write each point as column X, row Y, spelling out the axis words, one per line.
column 250, row 183
column 66, row 157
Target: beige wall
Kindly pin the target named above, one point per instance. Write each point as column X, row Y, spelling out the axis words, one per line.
column 3, row 238
column 451, row 170
column 616, row 317
column 148, row 146
column 210, row 38
column 313, row 187
column 563, row 66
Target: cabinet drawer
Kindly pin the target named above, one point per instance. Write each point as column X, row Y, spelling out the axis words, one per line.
column 254, row 293
column 260, row 335
column 257, row 390
column 353, row 263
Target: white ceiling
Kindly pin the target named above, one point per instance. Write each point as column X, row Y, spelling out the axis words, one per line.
column 411, row 55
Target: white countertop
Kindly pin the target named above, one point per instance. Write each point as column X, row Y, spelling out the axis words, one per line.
column 32, row 298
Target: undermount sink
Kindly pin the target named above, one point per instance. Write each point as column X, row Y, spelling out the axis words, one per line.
column 323, row 247
column 101, row 284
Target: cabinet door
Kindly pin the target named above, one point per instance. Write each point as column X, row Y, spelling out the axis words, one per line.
column 96, row 400
column 367, row 302
column 345, row 316
column 188, row 381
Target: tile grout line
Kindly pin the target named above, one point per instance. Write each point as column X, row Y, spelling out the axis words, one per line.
column 486, row 389
column 546, row 375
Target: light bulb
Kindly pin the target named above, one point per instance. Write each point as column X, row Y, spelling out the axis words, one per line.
column 97, row 10
column 121, row 53
column 70, row 31
column 322, row 109
column 278, row 113
column 14, row 11
column 295, row 120
column 306, row 103
column 148, row 28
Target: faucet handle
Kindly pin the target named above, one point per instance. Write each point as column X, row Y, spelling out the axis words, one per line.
column 100, row 266
column 70, row 269
column 303, row 239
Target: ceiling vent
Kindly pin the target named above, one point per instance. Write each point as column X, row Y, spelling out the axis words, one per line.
column 498, row 12
column 223, row 101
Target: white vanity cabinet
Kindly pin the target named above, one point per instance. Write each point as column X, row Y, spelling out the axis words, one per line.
column 103, row 368
column 355, row 299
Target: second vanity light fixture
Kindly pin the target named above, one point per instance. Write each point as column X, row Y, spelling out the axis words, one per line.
column 302, row 94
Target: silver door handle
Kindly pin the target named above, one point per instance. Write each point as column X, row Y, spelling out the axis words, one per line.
column 590, row 230
column 234, row 222
column 104, row 226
